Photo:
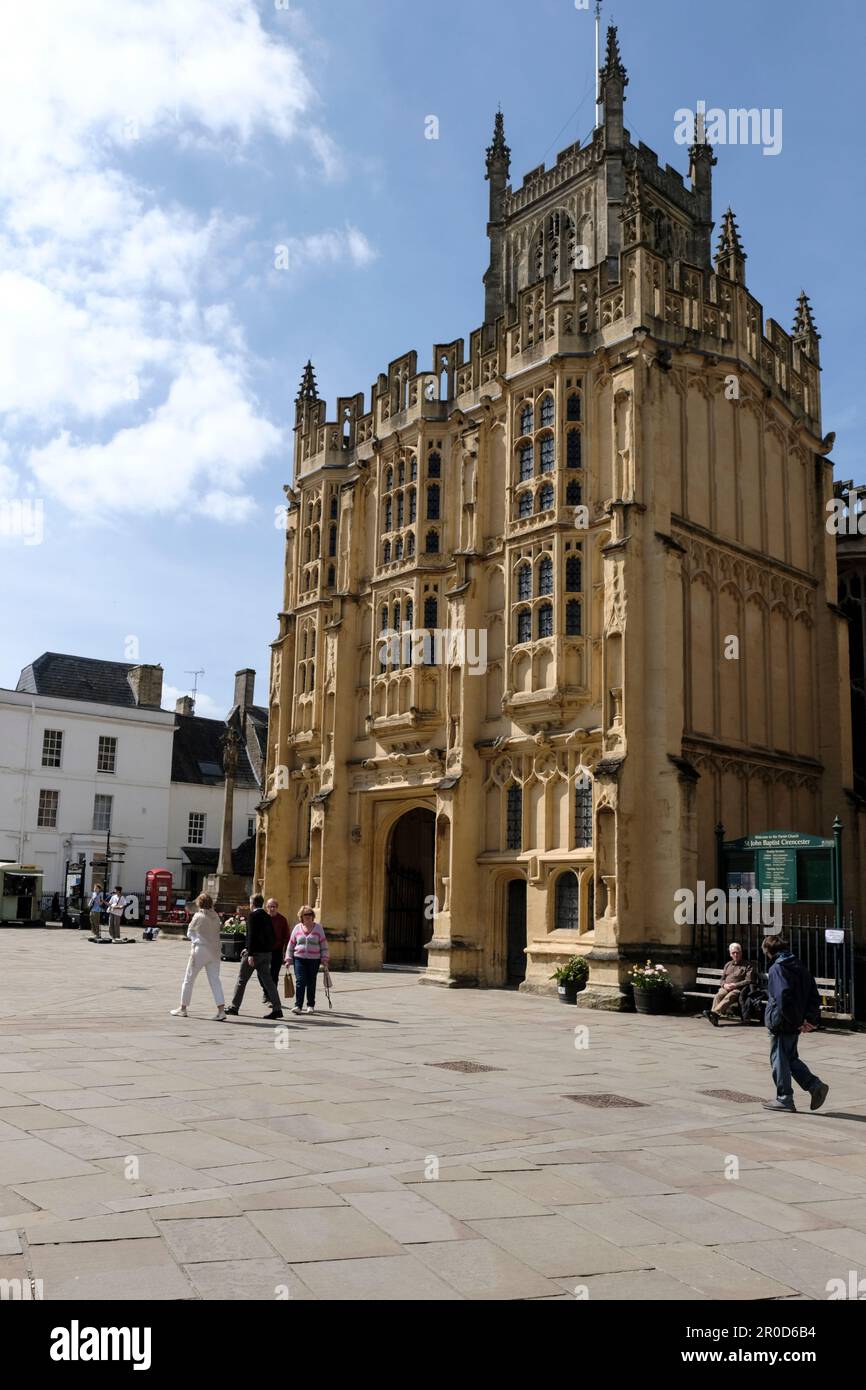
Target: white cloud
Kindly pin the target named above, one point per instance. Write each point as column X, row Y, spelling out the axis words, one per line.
column 346, row 247
column 205, row 706
column 107, row 284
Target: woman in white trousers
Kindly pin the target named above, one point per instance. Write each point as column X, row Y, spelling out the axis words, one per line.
column 204, row 933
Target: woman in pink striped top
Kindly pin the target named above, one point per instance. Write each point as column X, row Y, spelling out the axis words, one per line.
column 306, row 951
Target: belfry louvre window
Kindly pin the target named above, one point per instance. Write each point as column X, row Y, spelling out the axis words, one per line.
column 52, row 747
column 525, row 462
column 514, row 818
column 583, row 816
column 524, row 582
column 567, row 912
column 573, row 449
column 548, row 453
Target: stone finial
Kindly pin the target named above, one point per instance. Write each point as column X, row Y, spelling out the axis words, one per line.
column 613, row 64
column 804, row 324
column 498, row 153
column 308, row 390
column 730, row 256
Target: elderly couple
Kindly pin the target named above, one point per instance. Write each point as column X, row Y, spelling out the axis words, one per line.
column 268, row 937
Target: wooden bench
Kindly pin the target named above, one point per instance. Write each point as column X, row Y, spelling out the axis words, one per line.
column 708, row 983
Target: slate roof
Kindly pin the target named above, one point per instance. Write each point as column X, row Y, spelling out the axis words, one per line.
column 79, row 678
column 197, row 753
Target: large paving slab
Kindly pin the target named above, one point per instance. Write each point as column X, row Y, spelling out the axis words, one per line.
column 351, row 1166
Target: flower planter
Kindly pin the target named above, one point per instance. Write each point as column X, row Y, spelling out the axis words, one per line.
column 231, row 946
column 569, row 990
column 651, row 1001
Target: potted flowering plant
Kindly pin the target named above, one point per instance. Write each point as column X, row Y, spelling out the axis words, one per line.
column 652, row 988
column 232, row 935
column 570, row 979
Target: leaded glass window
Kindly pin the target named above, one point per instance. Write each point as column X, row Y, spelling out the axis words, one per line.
column 545, row 498
column 524, row 582
column 573, row 574
column 573, row 494
column 572, row 410
column 526, row 420
column 573, row 449
column 567, row 902
column 573, row 615
column 548, row 453
column 545, row 620
column 433, row 502
column 524, row 505
column 525, row 462
column 434, row 466
column 547, row 410
column 545, row 576
column 583, row 816
column 524, row 626
column 514, row 817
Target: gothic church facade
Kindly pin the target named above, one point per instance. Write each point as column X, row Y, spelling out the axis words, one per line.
column 623, row 472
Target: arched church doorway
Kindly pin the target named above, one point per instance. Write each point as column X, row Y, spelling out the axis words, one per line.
column 515, row 932
column 409, row 884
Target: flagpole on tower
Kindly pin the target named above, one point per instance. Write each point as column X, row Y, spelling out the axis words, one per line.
column 597, row 61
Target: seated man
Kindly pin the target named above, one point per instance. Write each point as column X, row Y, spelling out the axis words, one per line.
column 735, row 976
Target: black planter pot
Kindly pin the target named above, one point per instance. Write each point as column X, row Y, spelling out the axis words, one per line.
column 652, row 1001
column 231, row 946
column 568, row 990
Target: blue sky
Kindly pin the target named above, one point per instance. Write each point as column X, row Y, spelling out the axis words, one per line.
column 154, row 156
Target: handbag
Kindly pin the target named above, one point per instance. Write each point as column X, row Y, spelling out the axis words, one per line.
column 288, row 986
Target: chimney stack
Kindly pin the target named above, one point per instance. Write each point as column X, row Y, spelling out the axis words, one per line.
column 185, row 705
column 146, row 685
column 245, row 684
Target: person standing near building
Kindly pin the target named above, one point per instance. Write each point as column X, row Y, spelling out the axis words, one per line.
column 307, row 950
column 204, row 933
column 95, row 909
column 116, row 909
column 793, row 1007
column 282, row 932
column 260, row 944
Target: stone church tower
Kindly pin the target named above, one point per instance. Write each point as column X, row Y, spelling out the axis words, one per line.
column 598, row 539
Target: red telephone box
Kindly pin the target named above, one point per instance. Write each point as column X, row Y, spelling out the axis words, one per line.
column 157, row 896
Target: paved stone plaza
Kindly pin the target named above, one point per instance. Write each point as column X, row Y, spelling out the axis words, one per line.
column 306, row 1172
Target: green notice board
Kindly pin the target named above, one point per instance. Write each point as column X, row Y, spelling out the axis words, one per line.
column 799, row 867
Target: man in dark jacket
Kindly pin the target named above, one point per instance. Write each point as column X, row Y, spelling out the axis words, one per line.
column 793, row 1007
column 260, row 944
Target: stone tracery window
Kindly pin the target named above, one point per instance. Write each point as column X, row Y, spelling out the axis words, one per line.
column 545, row 497
column 433, row 502
column 431, row 543
column 574, row 574
column 524, row 582
column 573, row 449
column 545, row 620
column 526, row 464
column 567, row 902
column 524, row 625
column 583, row 815
column 524, row 505
column 546, row 410
column 573, row 618
column 545, row 575
column 514, row 817
column 548, row 453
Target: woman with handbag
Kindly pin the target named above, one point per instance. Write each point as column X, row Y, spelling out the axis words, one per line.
column 306, row 951
column 204, row 933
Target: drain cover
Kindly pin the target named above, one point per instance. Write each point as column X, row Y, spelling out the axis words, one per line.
column 739, row 1096
column 604, row 1100
column 464, row 1066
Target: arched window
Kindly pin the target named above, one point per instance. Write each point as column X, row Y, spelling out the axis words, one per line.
column 525, row 462
column 546, row 410
column 395, row 617
column 389, row 479
column 410, row 543
column 312, row 684
column 573, row 449
column 573, row 574
column 583, row 814
column 433, row 502
column 410, row 612
column 545, row 576
column 431, row 612
column 567, row 902
column 307, row 548
column 524, row 504
column 413, row 468
column 398, row 548
column 524, row 582
column 401, row 474
column 388, row 515
column 545, row 620
column 572, row 410
column 514, row 817
column 526, row 420
column 524, row 626
column 332, row 541
column 545, row 497
column 334, row 506
column 386, row 553
column 412, row 505
column 573, row 494
column 573, row 624
column 434, row 466
column 431, row 543
column 548, row 453
column 331, row 576
column 399, row 510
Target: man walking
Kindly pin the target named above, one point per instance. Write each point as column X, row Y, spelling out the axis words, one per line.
column 260, row 944
column 793, row 1008
column 95, row 909
column 116, row 909
column 281, row 941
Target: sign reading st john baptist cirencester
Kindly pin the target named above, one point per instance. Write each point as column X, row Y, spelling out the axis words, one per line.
column 798, row 867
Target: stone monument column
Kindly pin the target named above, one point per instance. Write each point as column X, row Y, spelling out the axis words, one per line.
column 227, row 888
